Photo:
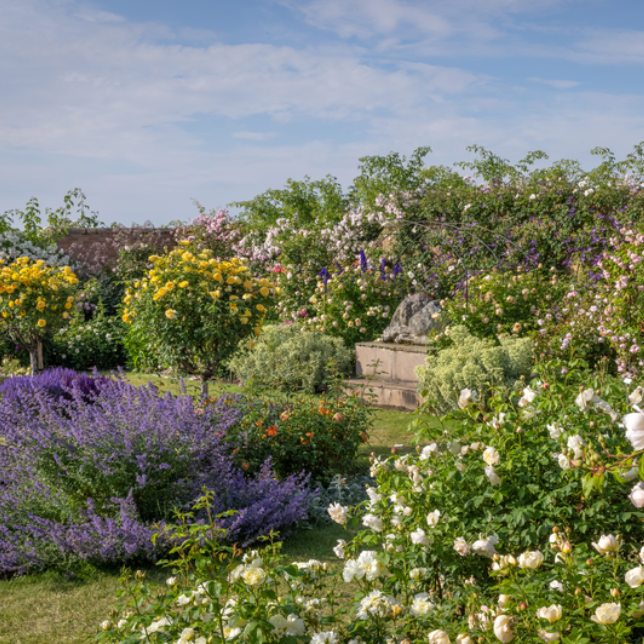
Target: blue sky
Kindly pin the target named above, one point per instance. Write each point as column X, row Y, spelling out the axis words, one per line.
column 145, row 104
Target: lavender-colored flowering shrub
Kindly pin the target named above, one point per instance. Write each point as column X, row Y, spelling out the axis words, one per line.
column 87, row 476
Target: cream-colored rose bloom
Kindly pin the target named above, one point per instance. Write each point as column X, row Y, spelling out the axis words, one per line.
column 439, row 637
column 607, row 614
column 606, row 544
column 635, row 577
column 531, row 560
column 464, row 638
column 491, row 456
column 548, row 637
column 253, row 576
column 461, row 546
column 503, row 629
column 552, row 613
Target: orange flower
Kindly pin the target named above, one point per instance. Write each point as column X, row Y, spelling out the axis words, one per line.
column 259, row 423
column 324, row 411
column 245, row 466
column 272, row 431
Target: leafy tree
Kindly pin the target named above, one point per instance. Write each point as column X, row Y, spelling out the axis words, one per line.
column 35, row 300
column 190, row 311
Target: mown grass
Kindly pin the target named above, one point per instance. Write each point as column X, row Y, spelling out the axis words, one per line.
column 53, row 607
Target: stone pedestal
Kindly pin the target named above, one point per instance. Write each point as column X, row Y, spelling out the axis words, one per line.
column 393, row 380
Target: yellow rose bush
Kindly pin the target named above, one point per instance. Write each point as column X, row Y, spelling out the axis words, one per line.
column 191, row 310
column 35, row 299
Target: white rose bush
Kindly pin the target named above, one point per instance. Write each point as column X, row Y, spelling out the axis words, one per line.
column 541, row 552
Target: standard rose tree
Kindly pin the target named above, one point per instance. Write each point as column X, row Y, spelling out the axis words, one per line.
column 35, row 300
column 190, row 311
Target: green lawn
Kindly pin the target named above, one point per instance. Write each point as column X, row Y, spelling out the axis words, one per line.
column 50, row 607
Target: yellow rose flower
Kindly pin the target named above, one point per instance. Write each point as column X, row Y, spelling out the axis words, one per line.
column 65, row 315
column 42, row 323
column 170, row 314
column 264, row 291
column 183, row 284
column 261, row 308
column 244, row 320
column 230, row 280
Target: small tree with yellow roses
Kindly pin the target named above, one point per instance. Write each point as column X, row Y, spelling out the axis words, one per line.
column 35, row 300
column 191, row 310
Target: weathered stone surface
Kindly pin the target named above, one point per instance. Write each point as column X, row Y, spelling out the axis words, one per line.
column 414, row 318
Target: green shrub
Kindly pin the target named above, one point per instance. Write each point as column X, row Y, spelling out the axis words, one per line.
column 84, row 345
column 472, row 363
column 320, row 437
column 290, row 358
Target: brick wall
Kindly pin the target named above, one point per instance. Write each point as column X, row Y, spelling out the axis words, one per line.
column 106, row 238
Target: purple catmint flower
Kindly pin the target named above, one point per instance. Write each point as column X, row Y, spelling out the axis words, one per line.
column 90, row 473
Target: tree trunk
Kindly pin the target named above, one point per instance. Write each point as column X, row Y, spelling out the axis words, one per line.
column 204, row 387
column 33, row 359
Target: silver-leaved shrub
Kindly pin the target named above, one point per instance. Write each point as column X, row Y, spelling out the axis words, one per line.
column 472, row 363
column 292, row 358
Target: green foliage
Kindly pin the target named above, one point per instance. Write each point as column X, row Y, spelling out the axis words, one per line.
column 357, row 303
column 87, row 344
column 307, row 200
column 57, row 221
column 191, row 311
column 506, row 302
column 472, row 363
column 320, row 437
column 290, row 358
column 381, row 175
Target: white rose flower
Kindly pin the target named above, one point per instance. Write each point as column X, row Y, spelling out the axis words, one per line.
column 467, row 397
column 419, row 537
column 636, row 396
column 548, row 637
column 433, row 518
column 464, row 638
column 421, row 605
column 634, row 424
column 491, row 456
column 339, row 513
column 555, row 584
column 564, row 462
column 584, row 399
column 531, row 560
column 635, row 577
column 428, row 451
column 485, row 546
column 461, row 546
column 339, row 549
column 492, row 476
column 373, row 522
column 555, row 430
column 439, row 637
column 503, row 628
column 607, row 614
column 606, row 544
column 530, row 394
column 637, row 495
column 552, row 613
column 575, row 443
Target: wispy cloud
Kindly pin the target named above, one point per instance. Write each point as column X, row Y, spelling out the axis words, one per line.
column 254, row 136
column 557, row 84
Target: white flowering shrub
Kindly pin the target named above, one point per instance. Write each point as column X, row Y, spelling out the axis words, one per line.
column 290, row 357
column 472, row 363
column 14, row 244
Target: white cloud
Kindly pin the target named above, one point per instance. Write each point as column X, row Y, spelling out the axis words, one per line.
column 254, row 136
column 557, row 84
